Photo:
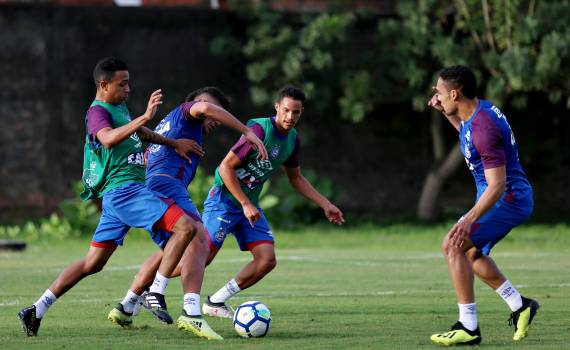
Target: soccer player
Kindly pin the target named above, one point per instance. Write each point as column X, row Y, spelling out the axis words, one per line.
column 232, row 203
column 170, row 174
column 114, row 169
column 504, row 201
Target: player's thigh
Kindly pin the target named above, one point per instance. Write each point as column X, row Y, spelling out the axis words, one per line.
column 249, row 237
column 137, row 206
column 493, row 227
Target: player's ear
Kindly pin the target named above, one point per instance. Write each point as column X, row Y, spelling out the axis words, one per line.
column 454, row 94
column 276, row 106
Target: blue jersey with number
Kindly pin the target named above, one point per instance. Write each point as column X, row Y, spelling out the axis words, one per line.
column 164, row 159
column 487, row 141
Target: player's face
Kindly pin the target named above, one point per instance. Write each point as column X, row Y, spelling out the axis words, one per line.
column 209, row 124
column 445, row 97
column 288, row 113
column 117, row 90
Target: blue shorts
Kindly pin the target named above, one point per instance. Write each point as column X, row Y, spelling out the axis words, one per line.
column 131, row 205
column 174, row 190
column 510, row 211
column 222, row 217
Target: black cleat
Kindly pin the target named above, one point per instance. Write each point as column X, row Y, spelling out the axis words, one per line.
column 458, row 335
column 155, row 303
column 30, row 323
column 522, row 318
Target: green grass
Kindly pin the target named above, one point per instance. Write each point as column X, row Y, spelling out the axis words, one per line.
column 368, row 287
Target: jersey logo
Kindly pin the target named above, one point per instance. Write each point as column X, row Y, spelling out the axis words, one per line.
column 275, row 151
column 264, row 164
column 135, row 159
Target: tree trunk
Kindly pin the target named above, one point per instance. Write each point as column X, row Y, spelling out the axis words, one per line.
column 427, row 205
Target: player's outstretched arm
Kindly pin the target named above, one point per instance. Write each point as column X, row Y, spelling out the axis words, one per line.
column 227, row 171
column 109, row 137
column 201, row 110
column 304, row 187
column 436, row 104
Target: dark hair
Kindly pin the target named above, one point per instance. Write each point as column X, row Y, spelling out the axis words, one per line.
column 461, row 78
column 291, row 92
column 214, row 92
column 105, row 69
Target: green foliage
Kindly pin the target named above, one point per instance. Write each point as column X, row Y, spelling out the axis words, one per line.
column 515, row 47
column 284, row 207
column 314, row 52
column 79, row 219
column 199, row 188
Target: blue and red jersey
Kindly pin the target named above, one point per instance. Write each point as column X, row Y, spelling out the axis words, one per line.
column 487, row 141
column 163, row 159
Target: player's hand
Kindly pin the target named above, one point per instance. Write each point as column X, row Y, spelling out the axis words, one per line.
column 333, row 214
column 210, row 124
column 153, row 102
column 251, row 213
column 435, row 103
column 185, row 146
column 257, row 144
column 460, row 232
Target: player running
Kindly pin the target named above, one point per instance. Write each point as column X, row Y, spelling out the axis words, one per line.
column 114, row 169
column 170, row 174
column 504, row 201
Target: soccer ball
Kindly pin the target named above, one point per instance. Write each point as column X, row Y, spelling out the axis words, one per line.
column 252, row 319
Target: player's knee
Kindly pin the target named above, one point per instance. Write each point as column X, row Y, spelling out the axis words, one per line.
column 473, row 254
column 186, row 227
column 267, row 264
column 92, row 267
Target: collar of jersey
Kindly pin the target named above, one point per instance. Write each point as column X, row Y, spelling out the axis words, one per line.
column 278, row 135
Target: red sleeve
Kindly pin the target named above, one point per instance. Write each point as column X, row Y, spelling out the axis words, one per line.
column 488, row 141
column 242, row 148
column 97, row 118
column 294, row 159
column 186, row 106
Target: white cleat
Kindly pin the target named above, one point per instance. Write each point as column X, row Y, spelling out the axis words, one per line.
column 222, row 310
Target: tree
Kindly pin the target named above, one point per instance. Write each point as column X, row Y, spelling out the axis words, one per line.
column 517, row 49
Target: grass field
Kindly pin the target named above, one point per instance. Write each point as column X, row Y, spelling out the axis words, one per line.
column 370, row 287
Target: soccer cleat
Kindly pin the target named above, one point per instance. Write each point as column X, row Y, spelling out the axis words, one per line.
column 522, row 318
column 197, row 325
column 217, row 309
column 119, row 316
column 155, row 303
column 30, row 323
column 139, row 304
column 458, row 335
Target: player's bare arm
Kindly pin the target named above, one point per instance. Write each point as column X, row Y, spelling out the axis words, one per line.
column 304, row 187
column 227, row 171
column 201, row 110
column 181, row 146
column 496, row 178
column 109, row 137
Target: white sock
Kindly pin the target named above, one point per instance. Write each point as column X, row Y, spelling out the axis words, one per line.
column 159, row 284
column 192, row 304
column 510, row 295
column 468, row 316
column 229, row 290
column 44, row 303
column 130, row 301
